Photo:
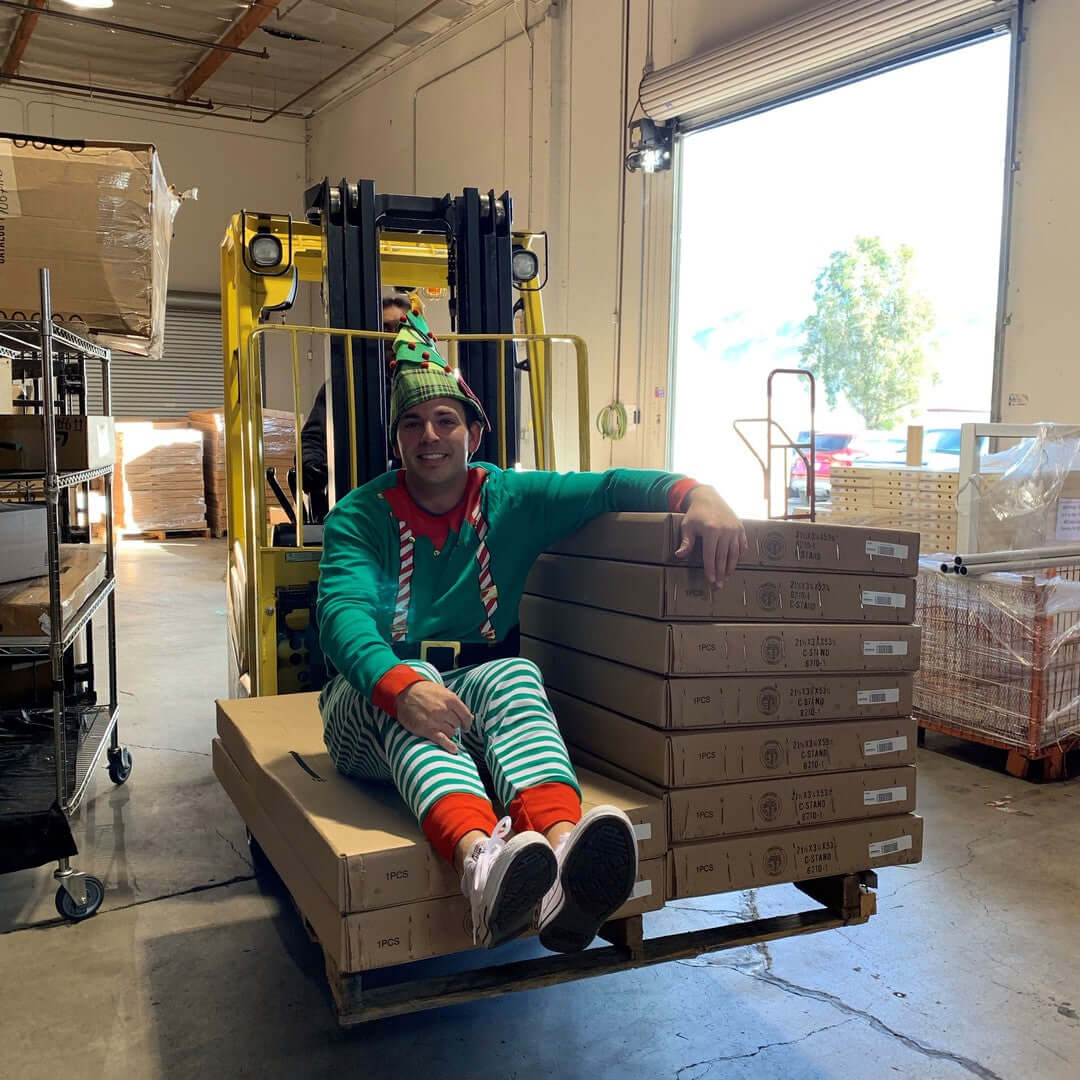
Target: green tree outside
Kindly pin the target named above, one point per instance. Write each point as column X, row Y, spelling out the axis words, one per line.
column 867, row 336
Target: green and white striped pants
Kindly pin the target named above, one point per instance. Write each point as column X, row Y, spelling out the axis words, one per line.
column 514, row 737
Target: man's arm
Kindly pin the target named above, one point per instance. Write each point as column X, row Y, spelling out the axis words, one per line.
column 313, row 445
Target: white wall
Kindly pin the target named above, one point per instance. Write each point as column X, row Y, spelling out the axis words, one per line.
column 542, row 113
column 234, row 165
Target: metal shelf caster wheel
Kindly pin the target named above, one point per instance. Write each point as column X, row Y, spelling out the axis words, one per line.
column 119, row 764
column 66, row 906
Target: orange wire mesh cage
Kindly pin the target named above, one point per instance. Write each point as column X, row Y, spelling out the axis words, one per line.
column 1001, row 658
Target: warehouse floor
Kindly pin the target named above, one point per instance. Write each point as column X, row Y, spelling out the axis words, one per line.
column 194, row 968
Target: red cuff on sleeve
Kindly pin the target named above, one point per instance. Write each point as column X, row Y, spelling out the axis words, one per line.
column 391, row 684
column 677, row 493
column 452, row 817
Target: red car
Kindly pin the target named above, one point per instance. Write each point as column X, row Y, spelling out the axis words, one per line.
column 830, row 449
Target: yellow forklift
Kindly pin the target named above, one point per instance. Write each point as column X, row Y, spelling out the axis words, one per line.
column 356, row 243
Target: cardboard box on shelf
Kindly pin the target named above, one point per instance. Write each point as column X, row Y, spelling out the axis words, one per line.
column 359, row 841
column 695, row 758
column 719, row 700
column 23, row 539
column 99, row 217
column 746, row 862
column 82, row 442
column 791, row 545
column 748, row 806
column 416, row 930
column 670, row 592
column 710, row 648
column 24, row 605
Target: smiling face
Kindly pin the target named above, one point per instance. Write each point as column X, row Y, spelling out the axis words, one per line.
column 434, row 441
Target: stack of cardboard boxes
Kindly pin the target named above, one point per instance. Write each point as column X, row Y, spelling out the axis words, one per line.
column 771, row 716
column 159, row 477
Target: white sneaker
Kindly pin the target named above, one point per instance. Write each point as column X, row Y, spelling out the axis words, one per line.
column 598, row 862
column 504, row 880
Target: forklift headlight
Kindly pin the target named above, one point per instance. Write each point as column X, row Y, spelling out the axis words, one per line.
column 265, row 250
column 524, row 265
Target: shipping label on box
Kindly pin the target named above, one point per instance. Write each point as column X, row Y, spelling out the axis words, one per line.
column 746, row 862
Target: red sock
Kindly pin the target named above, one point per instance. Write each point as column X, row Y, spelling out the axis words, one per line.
column 540, row 807
column 452, row 817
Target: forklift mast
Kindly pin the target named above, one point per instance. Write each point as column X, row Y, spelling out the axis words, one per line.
column 476, row 231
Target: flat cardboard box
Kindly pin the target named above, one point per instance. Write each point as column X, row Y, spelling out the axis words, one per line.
column 365, row 940
column 99, row 216
column 23, row 541
column 709, row 648
column 708, row 701
column 780, row 803
column 82, row 442
column 695, row 758
column 358, row 840
column 670, row 592
column 24, row 605
column 791, row 545
column 746, row 862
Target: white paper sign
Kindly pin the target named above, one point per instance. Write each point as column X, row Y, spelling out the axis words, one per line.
column 884, row 648
column 888, row 696
column 884, row 795
column 889, row 847
column 885, row 746
column 641, row 888
column 1068, row 520
column 892, row 551
column 884, row 599
column 643, row 831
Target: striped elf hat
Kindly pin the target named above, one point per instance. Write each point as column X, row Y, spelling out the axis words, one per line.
column 419, row 373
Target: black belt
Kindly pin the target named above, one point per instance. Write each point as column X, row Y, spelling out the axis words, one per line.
column 447, row 655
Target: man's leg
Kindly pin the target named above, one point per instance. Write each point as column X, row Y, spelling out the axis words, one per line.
column 444, row 791
column 515, row 729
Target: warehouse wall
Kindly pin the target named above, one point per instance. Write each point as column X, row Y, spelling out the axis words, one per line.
column 542, row 113
column 233, row 164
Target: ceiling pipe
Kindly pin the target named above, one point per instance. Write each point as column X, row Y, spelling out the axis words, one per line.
column 105, row 91
column 127, row 28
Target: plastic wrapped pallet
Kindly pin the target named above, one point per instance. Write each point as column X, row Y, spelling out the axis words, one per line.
column 160, row 477
column 279, row 451
column 99, row 216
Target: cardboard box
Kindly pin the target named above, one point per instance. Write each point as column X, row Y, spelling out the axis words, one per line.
column 695, row 758
column 780, row 803
column 746, row 862
column 669, row 592
column 719, row 700
column 23, row 540
column 708, row 648
column 99, row 217
column 24, row 605
column 82, row 442
column 361, row 941
column 359, row 841
column 791, row 545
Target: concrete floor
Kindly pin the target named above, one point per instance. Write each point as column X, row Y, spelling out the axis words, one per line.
column 194, row 968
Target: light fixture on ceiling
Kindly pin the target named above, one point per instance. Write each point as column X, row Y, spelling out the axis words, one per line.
column 89, row 4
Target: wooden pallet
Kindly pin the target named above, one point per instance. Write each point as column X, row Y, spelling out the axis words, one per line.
column 167, row 534
column 847, row 901
column 1021, row 762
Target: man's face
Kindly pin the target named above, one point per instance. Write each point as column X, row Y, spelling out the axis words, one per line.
column 435, row 441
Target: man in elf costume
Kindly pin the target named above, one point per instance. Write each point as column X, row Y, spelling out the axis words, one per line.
column 428, row 564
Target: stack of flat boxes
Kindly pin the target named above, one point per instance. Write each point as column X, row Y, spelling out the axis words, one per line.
column 780, row 738
column 917, row 499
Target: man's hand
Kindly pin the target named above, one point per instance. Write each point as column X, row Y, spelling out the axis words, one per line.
column 722, row 536
column 429, row 710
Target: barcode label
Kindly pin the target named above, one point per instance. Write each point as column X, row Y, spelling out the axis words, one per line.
column 889, row 847
column 884, row 795
column 641, row 888
column 889, row 696
column 884, row 648
column 643, row 831
column 884, row 599
column 885, row 746
column 892, row 551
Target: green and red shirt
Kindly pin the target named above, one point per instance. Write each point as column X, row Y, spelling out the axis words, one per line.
column 392, row 572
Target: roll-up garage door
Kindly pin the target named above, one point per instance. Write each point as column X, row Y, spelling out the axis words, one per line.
column 829, row 42
column 187, row 377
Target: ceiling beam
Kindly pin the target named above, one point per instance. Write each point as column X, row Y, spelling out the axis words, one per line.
column 21, row 39
column 257, row 13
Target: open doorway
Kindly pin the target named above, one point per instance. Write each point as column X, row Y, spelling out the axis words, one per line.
column 856, row 232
